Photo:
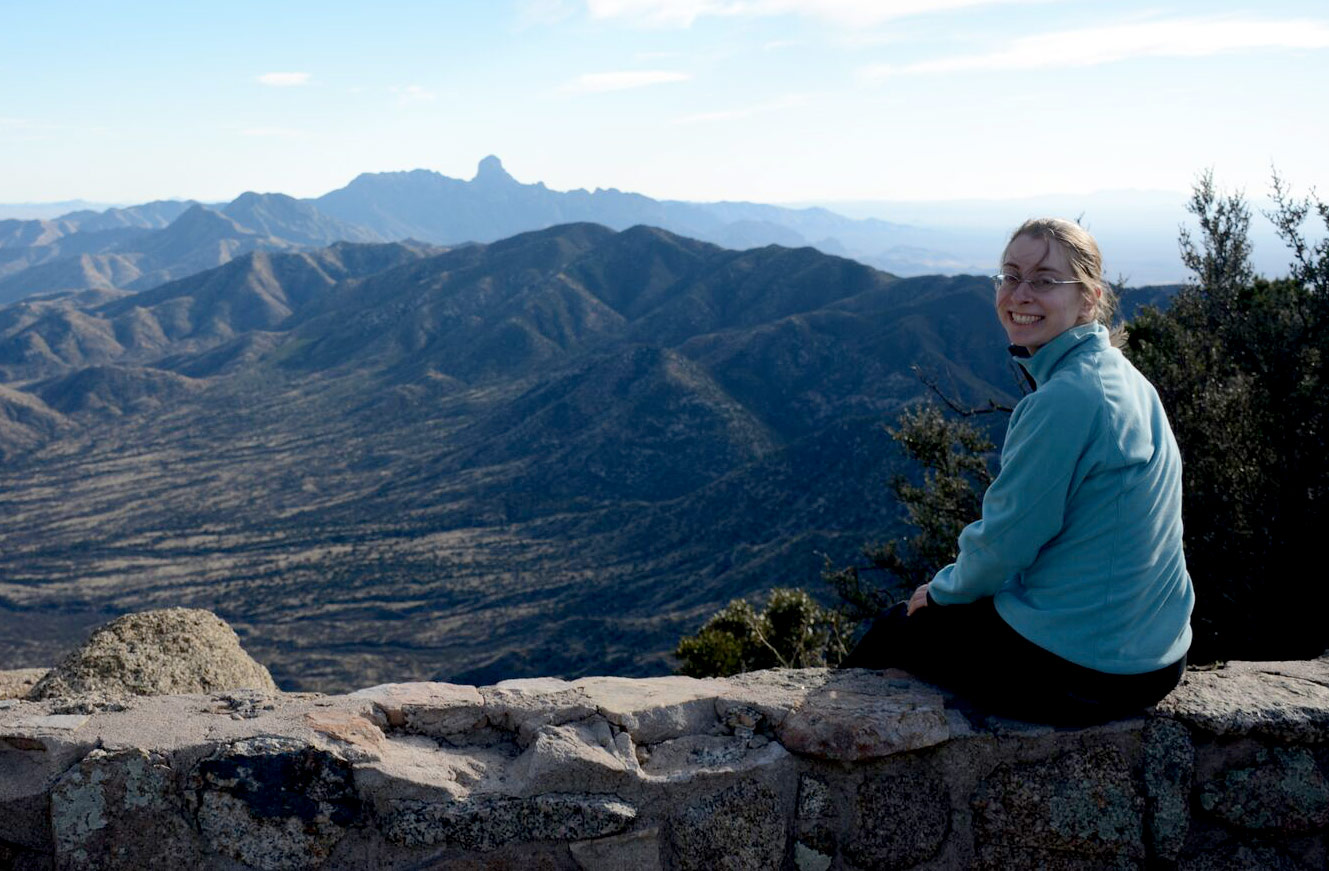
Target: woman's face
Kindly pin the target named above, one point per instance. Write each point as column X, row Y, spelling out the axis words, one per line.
column 1034, row 318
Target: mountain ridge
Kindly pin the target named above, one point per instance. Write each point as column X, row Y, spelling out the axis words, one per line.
column 436, row 463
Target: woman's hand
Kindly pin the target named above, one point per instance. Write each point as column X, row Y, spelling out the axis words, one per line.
column 919, row 599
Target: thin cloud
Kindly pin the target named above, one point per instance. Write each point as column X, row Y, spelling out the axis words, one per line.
column 408, row 95
column 540, row 13
column 283, row 80
column 1100, row 45
column 623, row 80
column 790, row 102
column 853, row 13
column 272, row 132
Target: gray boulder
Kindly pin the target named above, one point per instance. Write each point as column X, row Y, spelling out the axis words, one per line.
column 150, row 653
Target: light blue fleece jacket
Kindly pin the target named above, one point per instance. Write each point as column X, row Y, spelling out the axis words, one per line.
column 1080, row 539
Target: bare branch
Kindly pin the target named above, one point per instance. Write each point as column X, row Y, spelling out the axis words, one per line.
column 931, row 384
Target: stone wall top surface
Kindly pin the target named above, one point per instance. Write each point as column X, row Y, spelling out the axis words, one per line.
column 790, row 768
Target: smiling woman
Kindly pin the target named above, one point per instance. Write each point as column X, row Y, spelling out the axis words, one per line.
column 1069, row 600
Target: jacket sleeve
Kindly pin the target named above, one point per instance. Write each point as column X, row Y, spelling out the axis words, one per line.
column 1025, row 507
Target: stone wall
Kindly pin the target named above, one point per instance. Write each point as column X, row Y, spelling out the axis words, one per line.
column 807, row 769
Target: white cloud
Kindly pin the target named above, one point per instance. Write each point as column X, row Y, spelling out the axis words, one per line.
column 853, row 13
column 283, row 80
column 1099, row 45
column 408, row 95
column 789, row 102
column 622, row 80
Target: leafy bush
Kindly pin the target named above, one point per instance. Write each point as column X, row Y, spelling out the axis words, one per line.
column 793, row 631
column 1240, row 363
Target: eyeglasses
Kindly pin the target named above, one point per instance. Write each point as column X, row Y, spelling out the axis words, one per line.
column 1039, row 284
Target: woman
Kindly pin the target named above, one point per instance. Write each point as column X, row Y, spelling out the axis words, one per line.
column 1069, row 600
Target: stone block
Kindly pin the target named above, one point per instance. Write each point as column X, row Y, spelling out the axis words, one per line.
column 816, row 823
column 692, row 756
column 578, row 757
column 851, row 726
column 522, row 708
column 273, row 803
column 439, row 710
column 637, row 851
column 1284, row 791
column 901, row 818
column 1240, row 857
column 1169, row 773
column 741, row 828
column 1287, row 702
column 1079, row 810
column 486, row 822
column 120, row 810
column 654, row 709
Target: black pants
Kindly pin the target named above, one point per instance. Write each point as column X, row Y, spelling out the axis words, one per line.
column 971, row 650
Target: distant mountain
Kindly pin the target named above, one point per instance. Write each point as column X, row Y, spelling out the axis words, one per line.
column 548, row 454
column 145, row 246
column 258, row 291
column 45, row 211
column 427, row 205
column 297, row 222
column 148, row 216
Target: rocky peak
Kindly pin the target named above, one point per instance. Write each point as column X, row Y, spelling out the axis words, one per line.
column 491, row 173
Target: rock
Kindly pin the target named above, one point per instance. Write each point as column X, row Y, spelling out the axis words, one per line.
column 638, row 851
column 435, row 709
column 816, row 823
column 1241, row 858
column 653, row 709
column 692, row 756
column 850, row 726
column 1080, row 810
column 273, row 803
column 1169, row 768
column 578, row 757
column 1285, row 791
column 17, row 683
column 489, row 821
column 119, row 810
column 523, row 707
column 808, row 859
column 903, row 815
column 1287, row 702
column 739, row 829
column 362, row 738
column 776, row 692
column 172, row 651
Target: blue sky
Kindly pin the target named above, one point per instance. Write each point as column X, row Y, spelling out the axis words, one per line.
column 766, row 100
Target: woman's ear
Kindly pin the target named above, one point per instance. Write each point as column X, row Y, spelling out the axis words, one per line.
column 1089, row 303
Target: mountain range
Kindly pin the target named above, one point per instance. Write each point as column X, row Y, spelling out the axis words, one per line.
column 141, row 247
column 549, row 454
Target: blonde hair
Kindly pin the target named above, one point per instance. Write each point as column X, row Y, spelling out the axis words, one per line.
column 1086, row 265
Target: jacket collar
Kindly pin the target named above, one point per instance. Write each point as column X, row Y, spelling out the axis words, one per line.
column 1041, row 364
